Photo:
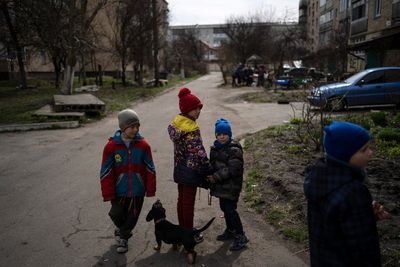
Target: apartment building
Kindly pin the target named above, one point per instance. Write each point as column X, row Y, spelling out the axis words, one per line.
column 38, row 64
column 375, row 30
column 364, row 33
column 309, row 22
column 212, row 35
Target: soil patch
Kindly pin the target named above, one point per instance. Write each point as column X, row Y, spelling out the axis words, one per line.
column 271, row 96
column 275, row 164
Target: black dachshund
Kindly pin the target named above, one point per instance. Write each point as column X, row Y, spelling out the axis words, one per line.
column 172, row 233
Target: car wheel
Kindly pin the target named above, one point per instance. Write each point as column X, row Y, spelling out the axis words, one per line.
column 336, row 103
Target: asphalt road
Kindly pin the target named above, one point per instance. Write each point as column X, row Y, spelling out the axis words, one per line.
column 52, row 213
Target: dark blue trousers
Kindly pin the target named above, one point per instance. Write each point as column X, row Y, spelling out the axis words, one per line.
column 232, row 219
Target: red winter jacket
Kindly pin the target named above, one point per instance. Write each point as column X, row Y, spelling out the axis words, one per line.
column 127, row 171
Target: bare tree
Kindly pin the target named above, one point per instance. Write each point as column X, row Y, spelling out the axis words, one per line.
column 47, row 21
column 188, row 51
column 120, row 19
column 287, row 44
column 14, row 13
column 247, row 36
column 155, row 41
column 78, row 34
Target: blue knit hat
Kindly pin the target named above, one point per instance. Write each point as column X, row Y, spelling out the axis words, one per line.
column 343, row 139
column 223, row 126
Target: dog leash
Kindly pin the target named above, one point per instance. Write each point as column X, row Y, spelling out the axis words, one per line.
column 209, row 196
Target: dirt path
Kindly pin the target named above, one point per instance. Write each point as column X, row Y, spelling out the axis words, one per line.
column 52, row 213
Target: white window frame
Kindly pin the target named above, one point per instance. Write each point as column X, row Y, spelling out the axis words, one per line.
column 378, row 8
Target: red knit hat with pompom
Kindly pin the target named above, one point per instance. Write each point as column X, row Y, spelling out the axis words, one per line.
column 188, row 101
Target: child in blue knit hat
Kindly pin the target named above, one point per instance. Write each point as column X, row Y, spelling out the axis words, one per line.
column 341, row 213
column 226, row 158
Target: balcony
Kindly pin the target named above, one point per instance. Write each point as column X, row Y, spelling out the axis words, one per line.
column 345, row 14
column 327, row 26
column 359, row 26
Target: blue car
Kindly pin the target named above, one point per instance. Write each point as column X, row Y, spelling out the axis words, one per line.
column 376, row 86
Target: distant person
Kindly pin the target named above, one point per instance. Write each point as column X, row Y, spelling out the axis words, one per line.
column 341, row 213
column 261, row 76
column 191, row 164
column 127, row 174
column 226, row 157
column 249, row 76
column 240, row 74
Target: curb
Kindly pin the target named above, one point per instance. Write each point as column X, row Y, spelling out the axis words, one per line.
column 39, row 126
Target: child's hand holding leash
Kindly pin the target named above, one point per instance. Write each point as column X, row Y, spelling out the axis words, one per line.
column 379, row 211
column 211, row 179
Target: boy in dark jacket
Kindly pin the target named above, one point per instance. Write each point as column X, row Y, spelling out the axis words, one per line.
column 226, row 158
column 127, row 174
column 341, row 213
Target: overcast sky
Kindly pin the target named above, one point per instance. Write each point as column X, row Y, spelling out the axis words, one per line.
column 190, row 12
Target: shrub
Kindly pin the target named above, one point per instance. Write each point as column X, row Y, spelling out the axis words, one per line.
column 379, row 118
column 393, row 152
column 396, row 119
column 296, row 120
column 389, row 134
column 361, row 120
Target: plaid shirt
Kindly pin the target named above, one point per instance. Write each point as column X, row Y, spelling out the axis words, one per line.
column 341, row 223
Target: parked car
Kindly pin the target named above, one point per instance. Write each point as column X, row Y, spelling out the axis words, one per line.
column 297, row 72
column 376, row 86
column 315, row 74
column 293, row 77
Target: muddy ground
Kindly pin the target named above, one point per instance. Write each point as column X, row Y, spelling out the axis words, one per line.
column 275, row 163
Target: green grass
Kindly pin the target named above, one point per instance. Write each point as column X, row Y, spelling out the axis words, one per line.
column 276, row 216
column 294, row 149
column 252, row 197
column 299, row 233
column 17, row 106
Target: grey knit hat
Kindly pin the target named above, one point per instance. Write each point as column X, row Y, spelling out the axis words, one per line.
column 126, row 118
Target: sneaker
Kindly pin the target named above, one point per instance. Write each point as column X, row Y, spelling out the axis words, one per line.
column 239, row 242
column 117, row 234
column 226, row 235
column 122, row 246
column 198, row 238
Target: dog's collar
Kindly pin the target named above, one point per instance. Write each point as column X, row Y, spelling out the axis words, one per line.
column 159, row 220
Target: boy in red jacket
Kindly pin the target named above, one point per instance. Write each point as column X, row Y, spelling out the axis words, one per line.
column 127, row 174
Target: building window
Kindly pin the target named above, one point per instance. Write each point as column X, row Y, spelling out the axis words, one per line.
column 378, row 8
column 327, row 17
column 359, row 10
column 343, row 5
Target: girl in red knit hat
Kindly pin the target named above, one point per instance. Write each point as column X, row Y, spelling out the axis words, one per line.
column 191, row 165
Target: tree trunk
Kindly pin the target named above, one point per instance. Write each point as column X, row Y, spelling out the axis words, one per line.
column 17, row 45
column 141, row 74
column 221, row 67
column 155, row 43
column 100, row 71
column 182, row 67
column 68, row 80
column 57, row 70
column 123, row 74
column 82, row 71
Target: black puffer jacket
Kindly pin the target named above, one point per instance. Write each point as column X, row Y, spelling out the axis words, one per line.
column 227, row 164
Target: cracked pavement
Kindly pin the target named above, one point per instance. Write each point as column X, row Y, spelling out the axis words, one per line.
column 51, row 206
